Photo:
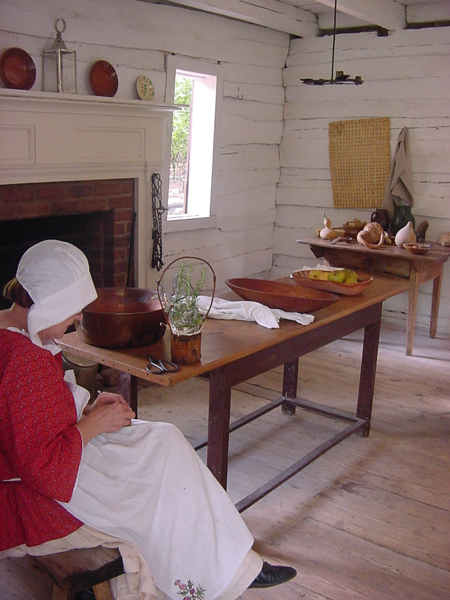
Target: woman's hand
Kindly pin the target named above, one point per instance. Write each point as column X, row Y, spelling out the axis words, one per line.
column 109, row 413
column 106, row 398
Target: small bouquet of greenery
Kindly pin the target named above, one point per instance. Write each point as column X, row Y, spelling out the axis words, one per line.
column 180, row 305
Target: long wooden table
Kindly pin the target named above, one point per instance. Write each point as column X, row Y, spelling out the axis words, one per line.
column 235, row 351
column 393, row 261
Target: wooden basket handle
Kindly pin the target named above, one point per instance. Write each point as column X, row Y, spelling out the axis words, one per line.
column 195, row 258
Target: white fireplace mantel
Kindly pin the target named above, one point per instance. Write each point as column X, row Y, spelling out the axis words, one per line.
column 68, row 137
column 42, row 132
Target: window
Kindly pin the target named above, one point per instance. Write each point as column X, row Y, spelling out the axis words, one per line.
column 192, row 148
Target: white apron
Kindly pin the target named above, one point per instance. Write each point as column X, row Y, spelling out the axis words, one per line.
column 146, row 484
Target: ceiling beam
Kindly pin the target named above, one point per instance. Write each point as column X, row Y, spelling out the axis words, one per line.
column 384, row 13
column 432, row 12
column 343, row 21
column 268, row 13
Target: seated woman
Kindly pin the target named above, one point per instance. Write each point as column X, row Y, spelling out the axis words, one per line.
column 73, row 476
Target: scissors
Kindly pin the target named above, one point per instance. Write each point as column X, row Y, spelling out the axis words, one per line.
column 157, row 366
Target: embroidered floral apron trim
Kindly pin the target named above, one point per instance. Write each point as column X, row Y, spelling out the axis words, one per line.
column 189, row 591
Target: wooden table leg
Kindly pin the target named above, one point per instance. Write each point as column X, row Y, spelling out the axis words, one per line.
column 218, row 425
column 437, row 281
column 368, row 372
column 290, row 379
column 412, row 309
column 127, row 386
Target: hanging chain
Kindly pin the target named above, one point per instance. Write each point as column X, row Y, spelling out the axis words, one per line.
column 158, row 210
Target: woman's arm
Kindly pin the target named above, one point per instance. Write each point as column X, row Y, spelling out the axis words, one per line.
column 38, row 417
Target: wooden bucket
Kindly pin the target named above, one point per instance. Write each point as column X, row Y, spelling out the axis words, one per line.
column 185, row 349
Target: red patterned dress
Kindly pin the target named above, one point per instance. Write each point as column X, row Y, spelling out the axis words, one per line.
column 40, row 447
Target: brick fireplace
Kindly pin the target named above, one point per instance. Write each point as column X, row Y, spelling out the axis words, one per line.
column 97, row 216
column 79, row 168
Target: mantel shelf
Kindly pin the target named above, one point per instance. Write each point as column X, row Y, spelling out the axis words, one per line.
column 80, row 100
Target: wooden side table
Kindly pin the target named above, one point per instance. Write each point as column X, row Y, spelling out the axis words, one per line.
column 391, row 260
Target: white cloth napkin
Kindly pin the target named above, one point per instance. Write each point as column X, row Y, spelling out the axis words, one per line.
column 320, row 267
column 249, row 311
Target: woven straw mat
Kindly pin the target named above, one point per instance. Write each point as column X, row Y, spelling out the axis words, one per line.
column 359, row 162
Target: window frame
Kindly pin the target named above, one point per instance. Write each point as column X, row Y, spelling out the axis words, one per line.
column 181, row 63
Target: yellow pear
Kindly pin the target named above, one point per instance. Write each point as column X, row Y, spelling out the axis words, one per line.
column 318, row 274
column 351, row 277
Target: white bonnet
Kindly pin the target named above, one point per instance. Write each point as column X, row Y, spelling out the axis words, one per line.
column 56, row 276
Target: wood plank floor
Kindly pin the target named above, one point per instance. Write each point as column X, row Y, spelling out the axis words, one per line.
column 370, row 520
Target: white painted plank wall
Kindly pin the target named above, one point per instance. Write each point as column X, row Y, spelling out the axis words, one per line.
column 135, row 37
column 407, row 78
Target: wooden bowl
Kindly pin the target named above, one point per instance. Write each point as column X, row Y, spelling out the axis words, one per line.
column 416, row 248
column 346, row 289
column 284, row 296
column 123, row 318
column 352, row 228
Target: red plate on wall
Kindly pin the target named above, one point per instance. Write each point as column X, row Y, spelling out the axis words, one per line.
column 103, row 79
column 17, row 69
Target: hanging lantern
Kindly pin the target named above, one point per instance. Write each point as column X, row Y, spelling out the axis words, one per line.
column 60, row 64
column 340, row 77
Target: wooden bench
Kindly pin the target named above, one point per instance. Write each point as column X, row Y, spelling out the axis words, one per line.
column 60, row 576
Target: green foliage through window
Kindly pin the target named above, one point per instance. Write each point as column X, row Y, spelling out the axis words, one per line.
column 181, row 122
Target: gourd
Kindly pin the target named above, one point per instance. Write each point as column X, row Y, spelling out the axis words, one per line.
column 327, row 233
column 405, row 235
column 444, row 239
column 372, row 236
column 421, row 231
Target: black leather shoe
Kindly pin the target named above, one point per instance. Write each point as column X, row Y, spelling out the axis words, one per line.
column 271, row 575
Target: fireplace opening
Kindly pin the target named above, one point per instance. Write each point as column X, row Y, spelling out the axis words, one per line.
column 100, row 221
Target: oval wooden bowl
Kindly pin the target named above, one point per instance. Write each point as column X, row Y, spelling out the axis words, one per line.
column 284, row 296
column 123, row 318
column 347, row 289
column 417, row 248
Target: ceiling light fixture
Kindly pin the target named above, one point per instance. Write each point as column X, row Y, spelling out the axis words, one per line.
column 341, row 77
